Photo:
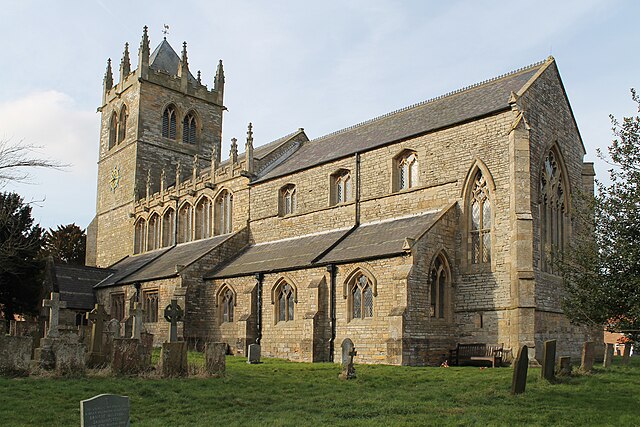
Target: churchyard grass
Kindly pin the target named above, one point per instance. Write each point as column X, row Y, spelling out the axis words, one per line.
column 277, row 392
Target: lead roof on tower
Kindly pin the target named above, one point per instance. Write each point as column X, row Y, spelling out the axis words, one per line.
column 165, row 59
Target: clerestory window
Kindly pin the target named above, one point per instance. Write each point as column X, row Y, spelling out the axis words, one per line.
column 288, row 200
column 342, row 187
column 406, row 170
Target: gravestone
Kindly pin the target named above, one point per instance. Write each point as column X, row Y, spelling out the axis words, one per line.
column 174, row 359
column 564, row 366
column 214, row 354
column 348, row 353
column 105, row 410
column 113, row 328
column 608, row 356
column 97, row 317
column 254, row 354
column 15, row 354
column 146, row 339
column 521, row 366
column 173, row 313
column 137, row 320
column 54, row 304
column 549, row 360
column 127, row 357
column 626, row 354
column 588, row 356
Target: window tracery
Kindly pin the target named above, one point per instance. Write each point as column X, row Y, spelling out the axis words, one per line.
column 224, row 212
column 553, row 211
column 288, row 200
column 480, row 220
column 189, row 129
column 169, row 123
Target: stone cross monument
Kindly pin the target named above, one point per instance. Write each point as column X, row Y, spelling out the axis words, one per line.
column 54, row 305
column 173, row 313
column 137, row 321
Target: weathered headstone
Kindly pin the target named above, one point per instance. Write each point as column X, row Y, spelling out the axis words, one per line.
column 549, row 360
column 105, row 410
column 174, row 359
column 54, row 304
column 173, row 313
column 146, row 339
column 348, row 353
column 520, row 369
column 137, row 320
column 97, row 317
column 254, row 354
column 15, row 354
column 608, row 356
column 113, row 328
column 215, row 361
column 626, row 354
column 588, row 356
column 127, row 357
column 564, row 366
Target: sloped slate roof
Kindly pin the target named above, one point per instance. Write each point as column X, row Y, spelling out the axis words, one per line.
column 280, row 255
column 459, row 106
column 381, row 238
column 75, row 284
column 130, row 265
column 181, row 255
column 164, row 58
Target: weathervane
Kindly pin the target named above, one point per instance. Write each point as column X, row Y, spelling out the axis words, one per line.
column 165, row 31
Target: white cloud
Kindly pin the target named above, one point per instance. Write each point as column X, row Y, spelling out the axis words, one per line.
column 66, row 134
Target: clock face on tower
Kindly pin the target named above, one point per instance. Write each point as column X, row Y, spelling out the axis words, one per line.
column 114, row 181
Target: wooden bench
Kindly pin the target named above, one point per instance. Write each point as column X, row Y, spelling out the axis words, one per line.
column 465, row 353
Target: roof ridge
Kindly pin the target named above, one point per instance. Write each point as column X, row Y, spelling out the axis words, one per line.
column 436, row 98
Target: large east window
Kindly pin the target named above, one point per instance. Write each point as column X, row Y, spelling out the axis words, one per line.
column 554, row 220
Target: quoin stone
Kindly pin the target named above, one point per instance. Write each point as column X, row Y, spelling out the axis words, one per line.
column 105, row 410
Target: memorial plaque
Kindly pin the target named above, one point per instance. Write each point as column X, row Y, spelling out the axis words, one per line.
column 104, row 410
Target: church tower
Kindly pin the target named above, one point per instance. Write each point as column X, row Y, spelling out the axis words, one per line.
column 155, row 118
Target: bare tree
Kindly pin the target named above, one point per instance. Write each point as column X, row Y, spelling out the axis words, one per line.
column 17, row 158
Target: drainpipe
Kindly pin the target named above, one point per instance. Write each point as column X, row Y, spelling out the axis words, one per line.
column 259, row 277
column 357, row 189
column 331, row 268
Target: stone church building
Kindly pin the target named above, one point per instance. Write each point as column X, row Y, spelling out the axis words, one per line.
column 408, row 233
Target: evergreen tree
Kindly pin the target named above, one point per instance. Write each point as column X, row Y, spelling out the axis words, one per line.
column 20, row 265
column 602, row 271
column 66, row 244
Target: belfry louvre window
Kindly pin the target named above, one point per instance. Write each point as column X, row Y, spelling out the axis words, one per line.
column 480, row 213
column 169, row 123
column 361, row 298
column 150, row 306
column 288, row 200
column 406, row 170
column 285, row 303
column 189, row 129
column 122, row 126
column 439, row 278
column 554, row 218
column 117, row 306
column 113, row 130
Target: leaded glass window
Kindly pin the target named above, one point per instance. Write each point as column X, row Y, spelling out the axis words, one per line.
column 288, row 200
column 361, row 298
column 342, row 191
column 480, row 221
column 407, row 170
column 227, row 305
column 117, row 306
column 150, row 306
column 439, row 278
column 553, row 212
column 285, row 298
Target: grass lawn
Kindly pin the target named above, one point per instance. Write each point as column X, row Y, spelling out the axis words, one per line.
column 277, row 392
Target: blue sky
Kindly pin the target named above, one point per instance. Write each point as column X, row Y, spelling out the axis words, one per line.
column 322, row 66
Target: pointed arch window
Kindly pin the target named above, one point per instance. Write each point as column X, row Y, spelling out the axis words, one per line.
column 361, row 295
column 284, row 302
column 153, row 234
column 342, row 187
column 168, row 228
column 138, row 241
column 439, row 285
column 185, row 223
column 480, row 214
column 288, row 200
column 554, row 218
column 122, row 125
column 406, row 170
column 169, row 123
column 204, row 211
column 189, row 129
column 224, row 212
column 227, row 304
column 113, row 130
